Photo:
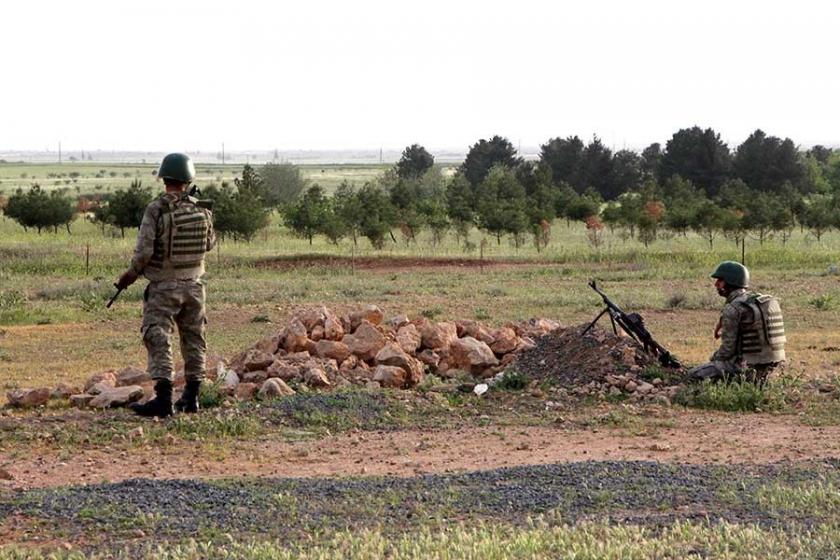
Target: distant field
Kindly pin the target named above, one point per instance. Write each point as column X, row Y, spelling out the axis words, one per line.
column 90, row 177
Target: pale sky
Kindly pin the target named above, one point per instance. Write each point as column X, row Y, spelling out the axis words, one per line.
column 189, row 75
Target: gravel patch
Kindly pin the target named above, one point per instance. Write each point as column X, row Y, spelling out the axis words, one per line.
column 639, row 492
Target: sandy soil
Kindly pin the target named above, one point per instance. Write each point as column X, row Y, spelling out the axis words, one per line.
column 693, row 438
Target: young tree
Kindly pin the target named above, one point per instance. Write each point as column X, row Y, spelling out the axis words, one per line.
column 377, row 216
column 415, row 161
column 348, row 211
column 38, row 209
column 597, row 170
column 501, row 205
column 279, row 183
column 460, row 204
column 306, row 216
column 126, row 207
column 708, row 221
column 563, row 157
column 484, row 155
column 699, row 156
column 237, row 212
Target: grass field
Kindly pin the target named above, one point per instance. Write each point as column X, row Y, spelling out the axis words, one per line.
column 85, row 178
column 54, row 327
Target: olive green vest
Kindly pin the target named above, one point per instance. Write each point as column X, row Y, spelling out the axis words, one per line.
column 179, row 248
column 763, row 340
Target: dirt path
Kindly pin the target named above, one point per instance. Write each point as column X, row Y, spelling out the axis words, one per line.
column 693, row 438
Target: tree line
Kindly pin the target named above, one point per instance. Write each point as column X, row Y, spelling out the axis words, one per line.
column 764, row 187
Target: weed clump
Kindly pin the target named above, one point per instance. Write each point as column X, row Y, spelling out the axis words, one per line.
column 736, row 396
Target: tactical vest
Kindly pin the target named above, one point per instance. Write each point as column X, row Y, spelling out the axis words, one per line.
column 763, row 340
column 182, row 241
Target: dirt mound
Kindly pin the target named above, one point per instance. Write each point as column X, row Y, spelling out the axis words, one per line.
column 598, row 361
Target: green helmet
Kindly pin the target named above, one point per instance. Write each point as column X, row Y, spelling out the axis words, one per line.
column 733, row 273
column 178, row 167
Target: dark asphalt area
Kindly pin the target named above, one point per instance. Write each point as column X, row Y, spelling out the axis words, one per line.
column 638, row 492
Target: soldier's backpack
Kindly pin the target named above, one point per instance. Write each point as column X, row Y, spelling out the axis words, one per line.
column 763, row 341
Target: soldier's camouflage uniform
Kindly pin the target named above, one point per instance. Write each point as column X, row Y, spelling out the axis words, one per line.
column 738, row 337
column 174, row 236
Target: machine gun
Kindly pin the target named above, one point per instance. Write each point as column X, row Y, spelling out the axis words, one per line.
column 195, row 192
column 634, row 326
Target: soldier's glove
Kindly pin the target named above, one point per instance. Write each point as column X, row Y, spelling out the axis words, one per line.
column 127, row 279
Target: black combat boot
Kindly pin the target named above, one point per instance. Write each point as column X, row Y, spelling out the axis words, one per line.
column 189, row 398
column 161, row 405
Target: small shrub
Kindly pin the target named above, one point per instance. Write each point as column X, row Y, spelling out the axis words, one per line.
column 513, row 380
column 676, row 301
column 432, row 312
column 823, row 302
column 210, row 394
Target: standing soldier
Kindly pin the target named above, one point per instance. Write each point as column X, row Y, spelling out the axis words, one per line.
column 751, row 330
column 174, row 236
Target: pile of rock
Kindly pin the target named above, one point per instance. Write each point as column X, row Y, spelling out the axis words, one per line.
column 106, row 389
column 596, row 363
column 322, row 350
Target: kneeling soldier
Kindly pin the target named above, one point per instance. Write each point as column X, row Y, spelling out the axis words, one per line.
column 174, row 236
column 750, row 328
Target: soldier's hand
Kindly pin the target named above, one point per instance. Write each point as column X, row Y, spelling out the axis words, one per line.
column 127, row 279
column 718, row 328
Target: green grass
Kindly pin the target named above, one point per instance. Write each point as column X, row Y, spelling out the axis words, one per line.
column 497, row 541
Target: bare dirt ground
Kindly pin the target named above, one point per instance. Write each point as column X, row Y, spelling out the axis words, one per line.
column 391, row 263
column 697, row 438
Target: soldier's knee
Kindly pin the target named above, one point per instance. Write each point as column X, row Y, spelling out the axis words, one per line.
column 155, row 336
column 705, row 372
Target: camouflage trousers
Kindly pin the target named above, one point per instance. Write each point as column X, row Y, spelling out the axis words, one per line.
column 165, row 305
column 727, row 371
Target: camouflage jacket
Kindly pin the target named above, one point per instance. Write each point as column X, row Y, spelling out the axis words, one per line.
column 732, row 318
column 151, row 255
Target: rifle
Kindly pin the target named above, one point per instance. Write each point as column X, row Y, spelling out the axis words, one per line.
column 634, row 326
column 114, row 297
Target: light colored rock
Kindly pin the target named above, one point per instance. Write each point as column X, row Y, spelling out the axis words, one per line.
column 525, row 343
column 81, row 400
column 390, row 376
column 297, row 357
column 317, row 333
column 429, row 357
column 246, row 391
column 256, row 377
column 131, row 376
column 229, row 378
column 270, row 344
column 64, row 391
column 282, row 370
column 256, row 359
column 332, row 349
column 398, row 321
column 535, row 328
column 315, row 377
column 312, row 317
column 295, row 336
column 505, row 340
column 472, row 355
column 100, row 387
column 409, row 339
column 644, row 388
column 108, row 377
column 631, row 386
column 117, row 396
column 372, row 314
column 273, row 388
column 333, row 329
column 439, row 335
column 352, row 362
column 135, row 434
column 392, row 355
column 365, row 341
column 28, row 398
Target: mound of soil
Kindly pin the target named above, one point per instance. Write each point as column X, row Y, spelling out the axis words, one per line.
column 572, row 359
